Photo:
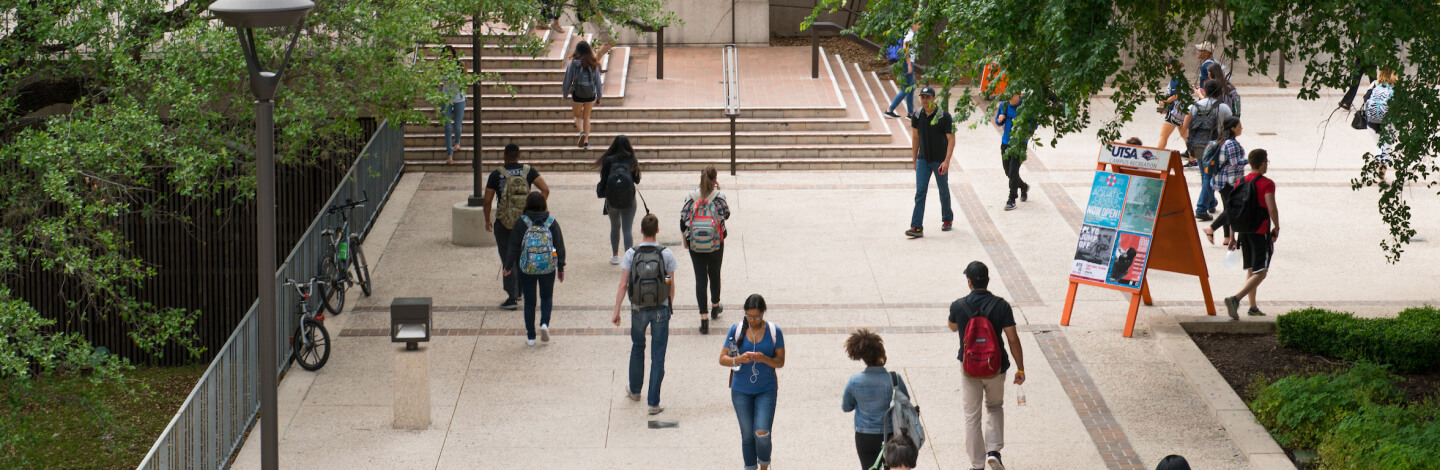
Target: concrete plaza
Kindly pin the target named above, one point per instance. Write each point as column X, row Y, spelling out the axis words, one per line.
column 826, row 250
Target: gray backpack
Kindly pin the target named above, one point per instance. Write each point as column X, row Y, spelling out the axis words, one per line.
column 647, row 277
column 904, row 418
column 583, row 88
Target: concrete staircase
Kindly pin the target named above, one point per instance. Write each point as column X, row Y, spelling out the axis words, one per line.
column 527, row 110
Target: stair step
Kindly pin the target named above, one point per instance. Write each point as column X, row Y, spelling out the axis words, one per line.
column 655, row 125
column 688, row 164
column 528, row 140
column 646, row 153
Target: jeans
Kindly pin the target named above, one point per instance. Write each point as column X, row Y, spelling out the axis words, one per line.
column 707, row 272
column 907, row 93
column 991, row 391
column 658, row 319
column 923, row 169
column 1012, row 171
column 510, row 283
column 756, row 414
column 869, row 446
column 528, row 283
column 454, row 119
column 1206, row 202
column 619, row 217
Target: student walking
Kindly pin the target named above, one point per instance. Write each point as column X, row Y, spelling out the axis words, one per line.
column 932, row 143
column 1005, row 117
column 582, row 85
column 619, row 173
column 907, row 85
column 538, row 253
column 754, row 349
column 511, row 183
column 550, row 10
column 868, row 394
column 1256, row 244
column 452, row 115
column 1203, row 123
column 1377, row 104
column 647, row 278
column 702, row 222
column 982, row 318
column 1230, row 167
column 1170, row 105
column 1229, row 95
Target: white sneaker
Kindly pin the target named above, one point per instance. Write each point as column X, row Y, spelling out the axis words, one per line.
column 632, row 396
column 545, row 333
column 655, row 410
column 529, row 342
column 614, row 260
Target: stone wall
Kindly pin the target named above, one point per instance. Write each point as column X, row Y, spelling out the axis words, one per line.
column 707, row 23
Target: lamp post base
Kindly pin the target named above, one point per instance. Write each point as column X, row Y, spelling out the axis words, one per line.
column 467, row 226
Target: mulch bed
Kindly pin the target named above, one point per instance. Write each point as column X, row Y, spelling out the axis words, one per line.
column 852, row 53
column 1241, row 359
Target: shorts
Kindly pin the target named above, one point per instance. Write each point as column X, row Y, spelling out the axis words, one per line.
column 1174, row 116
column 578, row 101
column 1256, row 250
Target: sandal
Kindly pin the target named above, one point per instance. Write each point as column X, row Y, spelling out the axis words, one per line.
column 1209, row 234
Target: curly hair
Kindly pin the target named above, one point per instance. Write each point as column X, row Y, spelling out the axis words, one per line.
column 865, row 345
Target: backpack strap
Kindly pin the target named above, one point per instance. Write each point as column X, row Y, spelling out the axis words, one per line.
column 527, row 221
column 548, row 222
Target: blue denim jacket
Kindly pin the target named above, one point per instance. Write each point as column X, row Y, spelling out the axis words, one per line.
column 868, row 395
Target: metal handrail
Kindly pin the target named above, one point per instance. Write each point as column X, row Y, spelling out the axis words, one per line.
column 211, row 424
column 731, row 60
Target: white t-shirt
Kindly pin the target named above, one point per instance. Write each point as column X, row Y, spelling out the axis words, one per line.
column 910, row 36
column 670, row 264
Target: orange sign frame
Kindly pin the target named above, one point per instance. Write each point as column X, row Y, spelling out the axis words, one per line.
column 1174, row 243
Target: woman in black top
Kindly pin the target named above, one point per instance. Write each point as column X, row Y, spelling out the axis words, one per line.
column 619, row 204
column 536, row 215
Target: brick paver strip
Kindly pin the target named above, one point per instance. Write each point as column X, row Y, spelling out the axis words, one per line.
column 1002, row 257
column 625, row 331
column 945, row 306
column 1089, row 405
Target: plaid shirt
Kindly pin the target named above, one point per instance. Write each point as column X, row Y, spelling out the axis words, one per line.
column 1234, row 167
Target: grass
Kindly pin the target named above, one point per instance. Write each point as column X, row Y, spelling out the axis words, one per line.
column 72, row 423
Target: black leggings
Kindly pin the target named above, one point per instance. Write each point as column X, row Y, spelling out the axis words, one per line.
column 1012, row 172
column 707, row 266
column 869, row 446
column 1221, row 220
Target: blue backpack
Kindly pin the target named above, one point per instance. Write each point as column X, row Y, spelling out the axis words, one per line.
column 537, row 249
column 893, row 53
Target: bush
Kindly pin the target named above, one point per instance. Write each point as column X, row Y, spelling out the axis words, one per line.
column 1379, row 436
column 1410, row 342
column 1300, row 410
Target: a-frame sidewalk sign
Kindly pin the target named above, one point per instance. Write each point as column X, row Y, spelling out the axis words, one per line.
column 1139, row 218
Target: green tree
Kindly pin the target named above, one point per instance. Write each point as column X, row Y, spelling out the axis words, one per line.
column 1064, row 52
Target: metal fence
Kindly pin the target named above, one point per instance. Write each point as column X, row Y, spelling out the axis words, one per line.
column 208, row 428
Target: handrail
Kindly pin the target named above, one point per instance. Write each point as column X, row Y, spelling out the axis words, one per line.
column 731, row 60
column 659, row 45
column 210, row 425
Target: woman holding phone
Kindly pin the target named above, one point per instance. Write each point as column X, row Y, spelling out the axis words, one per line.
column 753, row 350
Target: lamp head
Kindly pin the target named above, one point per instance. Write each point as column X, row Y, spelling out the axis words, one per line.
column 261, row 13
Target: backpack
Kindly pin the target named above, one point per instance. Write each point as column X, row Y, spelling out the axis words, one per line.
column 896, row 49
column 537, row 249
column 513, row 191
column 904, row 419
column 981, row 356
column 647, row 277
column 1243, row 206
column 1202, row 123
column 705, row 234
column 620, row 186
column 583, row 88
column 1210, row 159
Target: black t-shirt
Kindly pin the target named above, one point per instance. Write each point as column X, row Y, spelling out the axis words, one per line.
column 985, row 304
column 933, row 141
column 511, row 169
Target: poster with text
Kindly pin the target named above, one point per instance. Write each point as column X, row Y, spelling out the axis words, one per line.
column 1142, row 205
column 1127, row 266
column 1093, row 253
column 1107, row 197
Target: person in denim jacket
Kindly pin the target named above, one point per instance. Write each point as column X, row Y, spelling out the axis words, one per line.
column 868, row 394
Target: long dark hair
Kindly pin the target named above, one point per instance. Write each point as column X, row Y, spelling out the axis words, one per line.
column 621, row 151
column 1227, row 128
column 453, row 55
column 1217, row 73
column 586, row 56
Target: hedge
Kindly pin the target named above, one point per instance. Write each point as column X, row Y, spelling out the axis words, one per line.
column 1409, row 343
column 1384, row 436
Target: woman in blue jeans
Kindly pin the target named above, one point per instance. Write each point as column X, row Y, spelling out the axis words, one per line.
column 753, row 350
column 907, row 87
column 452, row 114
column 536, row 215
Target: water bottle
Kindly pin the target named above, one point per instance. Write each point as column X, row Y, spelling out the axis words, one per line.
column 1019, row 396
column 343, row 249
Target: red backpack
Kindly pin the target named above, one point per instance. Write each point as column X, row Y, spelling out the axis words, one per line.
column 981, row 354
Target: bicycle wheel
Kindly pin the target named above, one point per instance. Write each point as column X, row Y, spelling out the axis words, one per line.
column 311, row 345
column 362, row 269
column 332, row 285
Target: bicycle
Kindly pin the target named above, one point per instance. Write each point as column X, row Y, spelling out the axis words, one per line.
column 310, row 343
column 341, row 254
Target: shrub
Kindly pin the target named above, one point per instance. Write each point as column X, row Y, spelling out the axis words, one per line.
column 1381, row 436
column 1300, row 410
column 1410, row 342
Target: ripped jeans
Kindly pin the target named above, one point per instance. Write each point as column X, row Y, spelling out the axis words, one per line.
column 756, row 413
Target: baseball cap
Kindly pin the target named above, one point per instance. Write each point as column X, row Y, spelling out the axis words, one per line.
column 977, row 270
column 927, row 91
column 1206, row 46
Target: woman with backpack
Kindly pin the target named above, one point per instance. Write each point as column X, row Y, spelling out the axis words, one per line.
column 1230, row 167
column 452, row 114
column 868, row 394
column 582, row 86
column 907, row 86
column 619, row 173
column 702, row 222
column 1377, row 104
column 537, row 253
column 754, row 349
column 1171, row 105
column 1228, row 94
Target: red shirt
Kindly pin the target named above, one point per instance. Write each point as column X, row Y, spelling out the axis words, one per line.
column 1263, row 186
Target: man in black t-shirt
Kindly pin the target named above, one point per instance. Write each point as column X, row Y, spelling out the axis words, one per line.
column 496, row 185
column 932, row 143
column 984, row 447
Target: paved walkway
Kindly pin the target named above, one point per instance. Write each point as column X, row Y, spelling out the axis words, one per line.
column 826, row 250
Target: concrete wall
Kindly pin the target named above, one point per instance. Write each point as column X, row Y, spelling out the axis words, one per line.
column 707, row 23
column 786, row 15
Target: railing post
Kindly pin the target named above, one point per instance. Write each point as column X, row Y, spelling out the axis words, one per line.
column 660, row 53
column 731, row 59
column 814, row 52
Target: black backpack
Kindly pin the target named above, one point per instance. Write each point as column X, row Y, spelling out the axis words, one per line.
column 583, row 89
column 1243, row 207
column 1204, row 123
column 620, row 186
column 647, row 277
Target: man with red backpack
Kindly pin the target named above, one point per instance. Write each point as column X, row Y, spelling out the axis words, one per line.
column 980, row 318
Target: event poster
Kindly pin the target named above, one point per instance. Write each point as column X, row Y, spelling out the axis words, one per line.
column 1092, row 254
column 1142, row 205
column 1127, row 266
column 1107, row 198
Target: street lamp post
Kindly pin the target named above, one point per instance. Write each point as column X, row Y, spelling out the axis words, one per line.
column 246, row 16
